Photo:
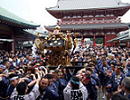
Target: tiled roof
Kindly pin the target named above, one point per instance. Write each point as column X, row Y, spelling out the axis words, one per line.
column 10, row 17
column 87, row 4
column 89, row 26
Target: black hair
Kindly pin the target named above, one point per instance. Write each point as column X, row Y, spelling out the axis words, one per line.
column 89, row 69
column 4, row 62
column 49, row 76
column 13, row 75
column 21, row 88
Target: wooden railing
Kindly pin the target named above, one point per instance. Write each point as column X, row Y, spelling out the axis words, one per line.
column 89, row 21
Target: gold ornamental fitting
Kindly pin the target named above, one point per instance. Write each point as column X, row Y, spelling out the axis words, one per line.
column 38, row 34
column 57, row 27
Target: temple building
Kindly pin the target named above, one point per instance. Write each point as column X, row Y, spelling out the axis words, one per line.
column 122, row 39
column 90, row 18
column 12, row 30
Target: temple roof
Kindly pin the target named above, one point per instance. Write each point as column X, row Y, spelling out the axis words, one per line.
column 89, row 26
column 122, row 36
column 12, row 18
column 87, row 4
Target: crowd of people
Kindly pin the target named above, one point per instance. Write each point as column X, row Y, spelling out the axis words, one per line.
column 24, row 77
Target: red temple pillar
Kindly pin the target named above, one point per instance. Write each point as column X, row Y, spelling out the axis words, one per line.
column 94, row 40
column 105, row 44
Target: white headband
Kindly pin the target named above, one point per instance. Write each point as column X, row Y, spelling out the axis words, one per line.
column 14, row 78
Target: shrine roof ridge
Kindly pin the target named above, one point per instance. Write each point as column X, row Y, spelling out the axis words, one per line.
column 63, row 5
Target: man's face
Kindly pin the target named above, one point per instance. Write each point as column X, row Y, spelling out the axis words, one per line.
column 60, row 75
column 14, row 82
column 1, row 70
column 30, row 58
column 43, row 83
column 113, row 67
column 118, row 70
column 7, row 64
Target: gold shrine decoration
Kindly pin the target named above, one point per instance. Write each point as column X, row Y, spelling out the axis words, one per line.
column 37, row 42
column 60, row 46
column 76, row 34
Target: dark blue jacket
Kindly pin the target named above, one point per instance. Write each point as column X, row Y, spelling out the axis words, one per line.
column 101, row 71
column 92, row 91
column 5, row 88
column 117, row 81
column 52, row 91
column 62, row 84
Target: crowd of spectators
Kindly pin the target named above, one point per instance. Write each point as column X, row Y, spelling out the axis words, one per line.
column 24, row 77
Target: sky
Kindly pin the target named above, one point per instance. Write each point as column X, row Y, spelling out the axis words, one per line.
column 34, row 10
